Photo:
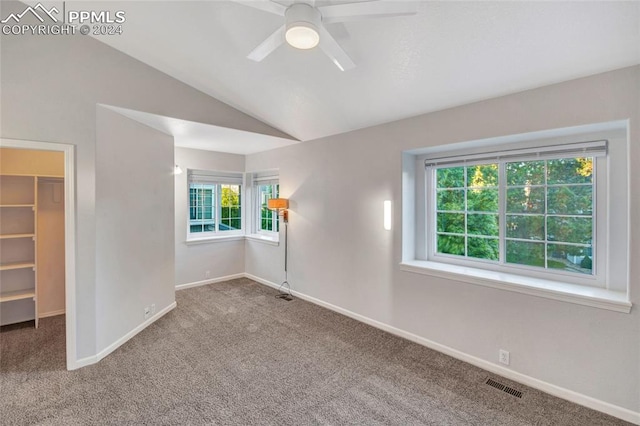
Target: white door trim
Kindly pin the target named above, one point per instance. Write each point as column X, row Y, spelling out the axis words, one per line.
column 69, row 233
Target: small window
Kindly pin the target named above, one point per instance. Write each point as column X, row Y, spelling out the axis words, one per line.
column 525, row 209
column 267, row 219
column 215, row 204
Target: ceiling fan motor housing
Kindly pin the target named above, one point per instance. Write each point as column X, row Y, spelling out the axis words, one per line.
column 302, row 23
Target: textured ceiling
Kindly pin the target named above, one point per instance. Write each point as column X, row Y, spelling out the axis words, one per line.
column 450, row 53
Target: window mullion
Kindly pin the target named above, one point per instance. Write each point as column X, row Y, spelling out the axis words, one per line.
column 466, row 211
column 218, row 209
column 502, row 212
column 546, row 213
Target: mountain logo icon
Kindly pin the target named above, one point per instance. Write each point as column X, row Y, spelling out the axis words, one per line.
column 34, row 11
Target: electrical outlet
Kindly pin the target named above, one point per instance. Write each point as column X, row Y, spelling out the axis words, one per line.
column 153, row 308
column 503, row 357
column 147, row 312
column 207, row 274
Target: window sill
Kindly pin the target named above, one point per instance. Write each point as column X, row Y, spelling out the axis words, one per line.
column 219, row 239
column 265, row 239
column 571, row 293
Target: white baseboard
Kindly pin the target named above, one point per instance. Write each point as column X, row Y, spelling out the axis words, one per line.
column 52, row 313
column 210, row 281
column 121, row 341
column 569, row 395
column 270, row 284
column 83, row 362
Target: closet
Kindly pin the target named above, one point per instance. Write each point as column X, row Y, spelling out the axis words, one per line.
column 32, row 246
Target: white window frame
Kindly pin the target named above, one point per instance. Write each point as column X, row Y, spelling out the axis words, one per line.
column 216, row 179
column 595, row 149
column 613, row 201
column 257, row 179
column 258, row 208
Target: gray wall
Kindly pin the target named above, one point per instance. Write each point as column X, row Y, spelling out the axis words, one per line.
column 221, row 258
column 339, row 252
column 50, row 86
column 134, row 219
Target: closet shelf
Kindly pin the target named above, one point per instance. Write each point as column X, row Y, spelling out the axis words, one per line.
column 9, row 236
column 18, row 295
column 16, row 265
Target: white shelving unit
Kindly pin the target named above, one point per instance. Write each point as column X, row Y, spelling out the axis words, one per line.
column 18, row 254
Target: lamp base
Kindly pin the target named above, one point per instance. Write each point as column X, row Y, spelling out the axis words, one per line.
column 286, row 297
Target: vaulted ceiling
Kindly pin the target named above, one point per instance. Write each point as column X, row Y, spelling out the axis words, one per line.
column 449, row 54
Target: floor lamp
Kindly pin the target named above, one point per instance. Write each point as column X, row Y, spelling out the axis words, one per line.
column 280, row 205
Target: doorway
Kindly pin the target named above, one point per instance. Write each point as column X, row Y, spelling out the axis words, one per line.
column 56, row 191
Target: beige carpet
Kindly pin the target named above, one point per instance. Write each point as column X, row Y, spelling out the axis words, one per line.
column 233, row 354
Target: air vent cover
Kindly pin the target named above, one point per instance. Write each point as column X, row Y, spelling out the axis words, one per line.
column 504, row 388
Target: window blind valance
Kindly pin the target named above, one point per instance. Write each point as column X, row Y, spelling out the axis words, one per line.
column 203, row 176
column 573, row 150
column 266, row 178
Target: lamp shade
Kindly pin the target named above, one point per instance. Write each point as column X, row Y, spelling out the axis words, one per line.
column 278, row 203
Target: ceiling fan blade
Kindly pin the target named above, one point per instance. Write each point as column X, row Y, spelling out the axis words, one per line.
column 264, row 5
column 269, row 45
column 332, row 49
column 366, row 10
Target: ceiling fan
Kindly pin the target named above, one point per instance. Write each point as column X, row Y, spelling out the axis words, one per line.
column 304, row 25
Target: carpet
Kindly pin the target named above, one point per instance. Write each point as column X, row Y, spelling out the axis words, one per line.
column 233, row 354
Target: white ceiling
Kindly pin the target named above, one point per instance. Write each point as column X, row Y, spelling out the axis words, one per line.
column 189, row 134
column 449, row 54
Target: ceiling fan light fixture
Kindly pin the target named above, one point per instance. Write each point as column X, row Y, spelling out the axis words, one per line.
column 302, row 36
column 302, row 23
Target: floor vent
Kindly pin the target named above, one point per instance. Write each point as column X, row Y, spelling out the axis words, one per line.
column 507, row 389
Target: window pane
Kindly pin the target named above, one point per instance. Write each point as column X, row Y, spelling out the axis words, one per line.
column 205, row 212
column 482, row 175
column 482, row 224
column 225, row 212
column 484, row 248
column 451, row 244
column 452, row 177
column 525, row 173
column 525, row 253
column 569, row 229
column 451, row 199
column 570, row 258
column 529, row 227
column 230, row 195
column 451, row 222
column 571, row 199
column 196, row 228
column 230, row 207
column 525, row 200
column 569, row 170
column 482, row 200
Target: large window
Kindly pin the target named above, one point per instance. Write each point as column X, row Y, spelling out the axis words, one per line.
column 215, row 204
column 525, row 209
